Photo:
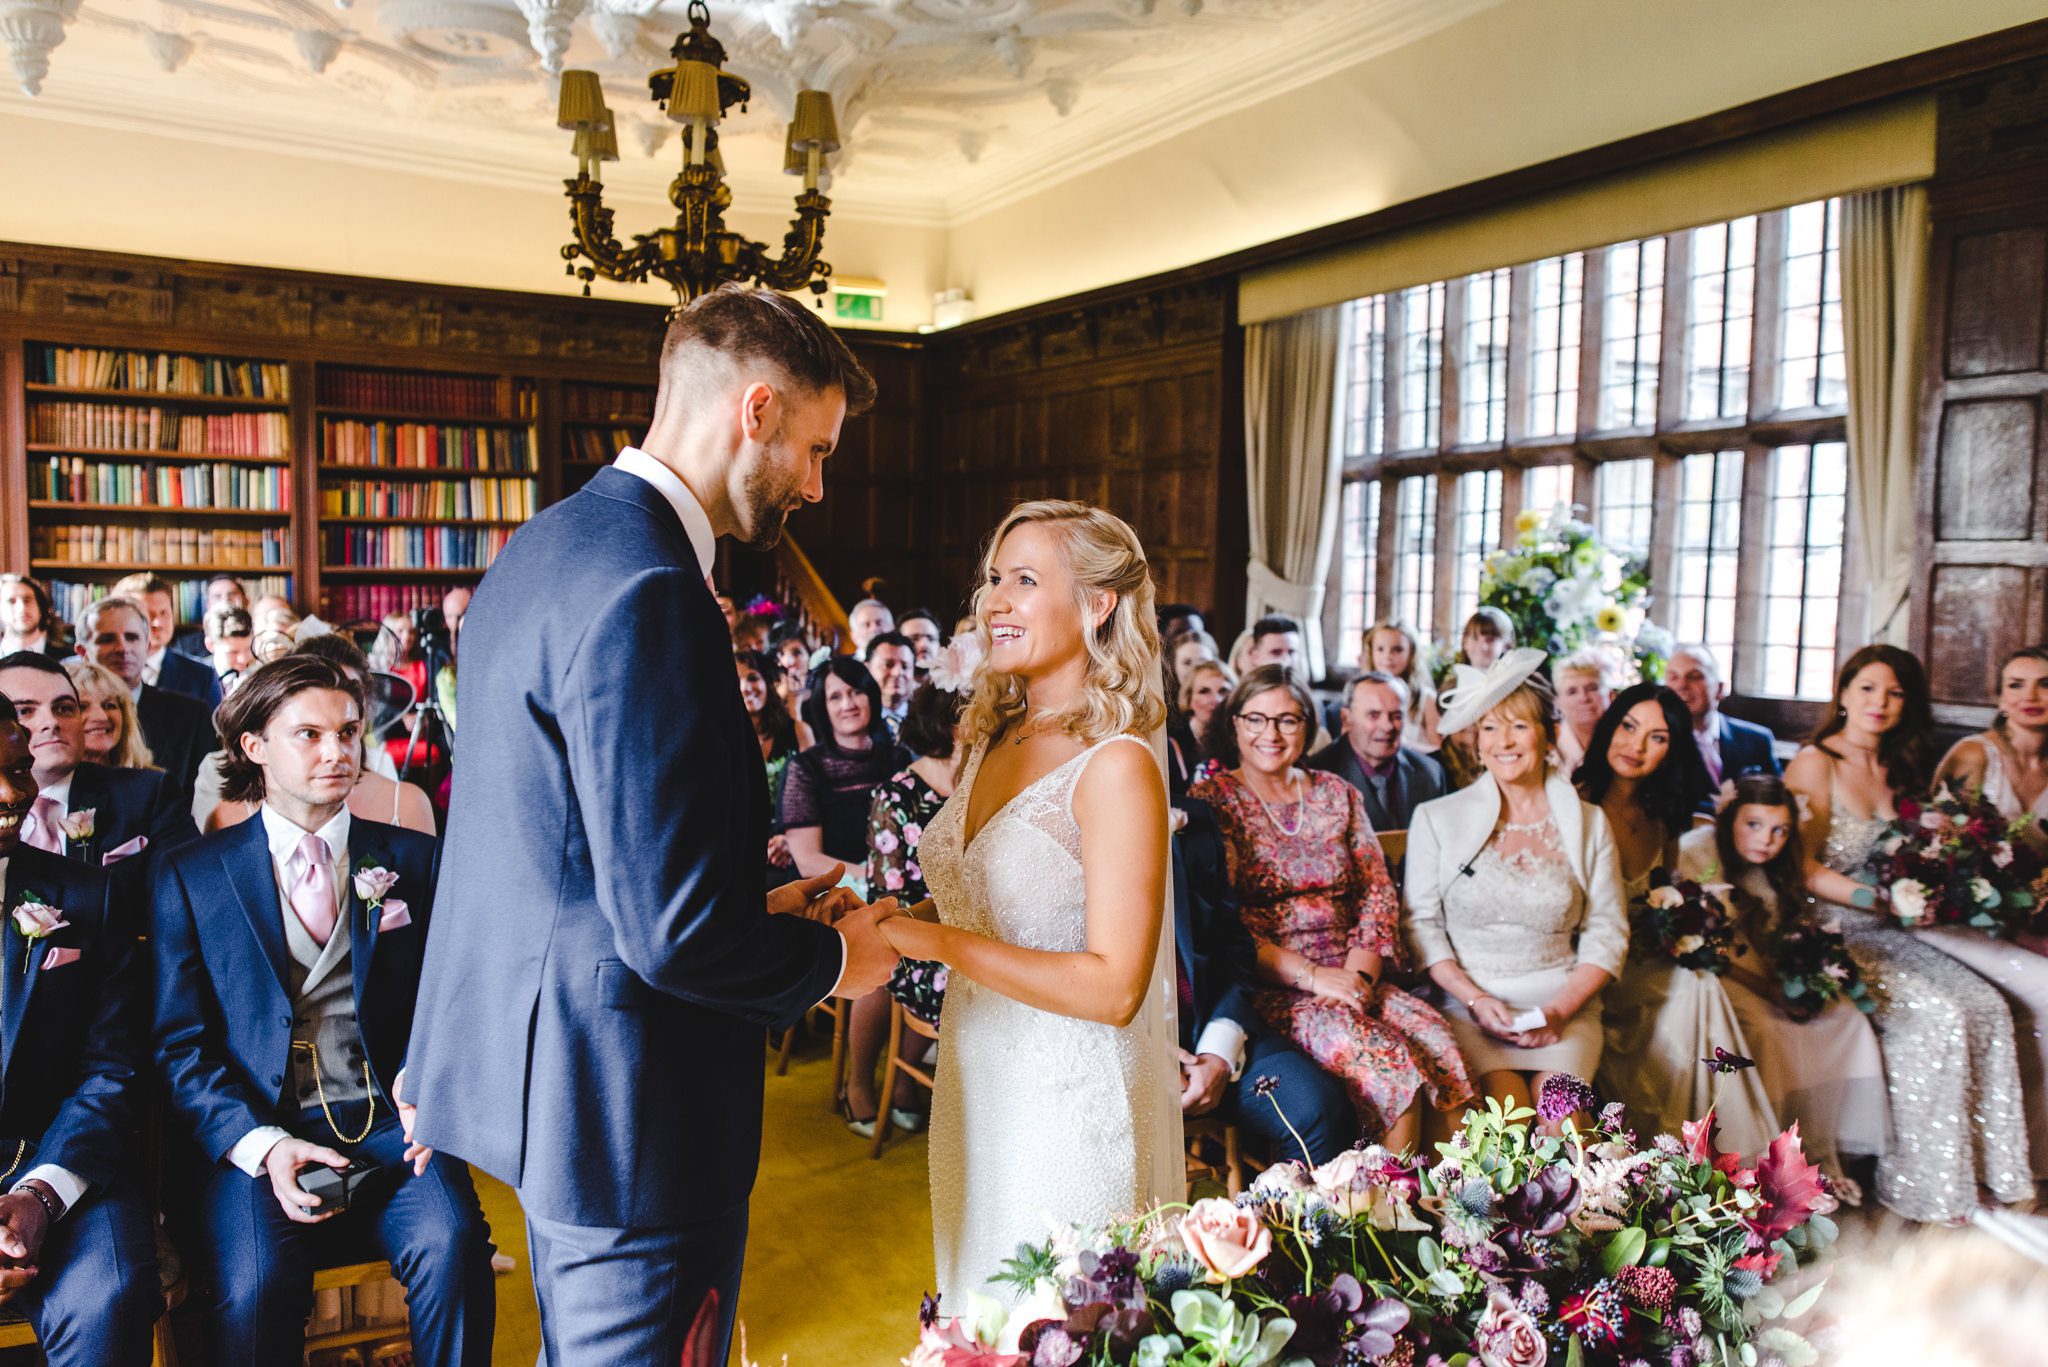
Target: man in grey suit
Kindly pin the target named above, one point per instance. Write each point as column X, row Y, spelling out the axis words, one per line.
column 1394, row 779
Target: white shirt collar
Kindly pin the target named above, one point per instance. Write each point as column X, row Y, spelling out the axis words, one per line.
column 285, row 834
column 59, row 793
column 696, row 524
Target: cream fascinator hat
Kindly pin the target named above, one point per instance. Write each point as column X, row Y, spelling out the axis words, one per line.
column 1475, row 692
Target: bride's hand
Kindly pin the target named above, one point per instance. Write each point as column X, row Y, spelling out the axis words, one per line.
column 906, row 935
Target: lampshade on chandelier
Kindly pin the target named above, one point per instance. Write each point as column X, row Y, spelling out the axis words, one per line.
column 699, row 253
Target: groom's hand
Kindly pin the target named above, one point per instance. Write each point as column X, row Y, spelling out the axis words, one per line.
column 816, row 899
column 869, row 959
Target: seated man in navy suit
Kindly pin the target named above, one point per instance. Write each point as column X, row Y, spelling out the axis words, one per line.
column 1393, row 778
column 87, row 811
column 163, row 667
column 288, row 953
column 77, row 1243
column 1729, row 746
column 1224, row 1050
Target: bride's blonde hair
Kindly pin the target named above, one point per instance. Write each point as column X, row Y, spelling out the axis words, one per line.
column 1122, row 691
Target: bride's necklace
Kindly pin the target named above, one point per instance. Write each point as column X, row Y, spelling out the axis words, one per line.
column 1300, row 810
column 1031, row 715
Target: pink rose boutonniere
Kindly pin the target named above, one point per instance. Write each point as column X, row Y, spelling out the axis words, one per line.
column 79, row 825
column 373, row 883
column 36, row 920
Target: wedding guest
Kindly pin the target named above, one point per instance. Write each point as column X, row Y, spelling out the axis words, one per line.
column 779, row 737
column 114, row 632
column 1822, row 1068
column 1314, row 891
column 1277, row 640
column 1729, row 746
column 113, row 736
column 1487, row 635
column 729, row 609
column 1959, row 1115
column 27, row 622
column 1391, row 648
column 101, row 816
column 893, row 661
column 1514, row 894
column 273, row 613
column 2008, row 764
column 396, row 650
column 83, row 1267
column 1203, row 691
column 829, row 788
column 1392, row 778
column 163, row 667
column 793, row 657
column 222, row 591
column 229, row 644
column 1644, row 773
column 285, row 986
column 920, row 627
column 454, row 606
column 903, row 806
column 1585, row 686
column 1187, row 650
column 1240, row 657
column 1177, row 619
column 753, row 634
column 867, row 619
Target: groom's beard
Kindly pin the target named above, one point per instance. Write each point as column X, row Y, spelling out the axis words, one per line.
column 768, row 497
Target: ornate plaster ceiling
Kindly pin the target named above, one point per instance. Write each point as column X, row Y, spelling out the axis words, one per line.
column 949, row 108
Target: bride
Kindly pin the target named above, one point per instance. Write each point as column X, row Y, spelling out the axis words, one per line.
column 1058, row 1083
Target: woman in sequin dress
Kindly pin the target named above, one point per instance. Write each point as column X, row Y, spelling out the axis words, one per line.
column 1951, row 1065
column 1314, row 892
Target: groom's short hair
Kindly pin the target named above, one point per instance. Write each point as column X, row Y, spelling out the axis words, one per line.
column 740, row 323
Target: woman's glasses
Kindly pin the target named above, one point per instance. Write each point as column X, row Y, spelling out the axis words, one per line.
column 1257, row 722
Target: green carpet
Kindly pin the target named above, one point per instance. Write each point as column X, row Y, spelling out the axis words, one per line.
column 841, row 1245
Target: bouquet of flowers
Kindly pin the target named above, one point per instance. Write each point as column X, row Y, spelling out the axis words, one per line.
column 1956, row 861
column 1562, row 589
column 1512, row 1249
column 1691, row 924
column 1814, row 969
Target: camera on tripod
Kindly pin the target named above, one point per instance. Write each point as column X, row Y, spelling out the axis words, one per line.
column 430, row 625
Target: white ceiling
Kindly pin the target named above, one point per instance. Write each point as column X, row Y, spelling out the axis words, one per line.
column 949, row 108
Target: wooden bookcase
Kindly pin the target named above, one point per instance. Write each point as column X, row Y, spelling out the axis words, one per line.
column 599, row 421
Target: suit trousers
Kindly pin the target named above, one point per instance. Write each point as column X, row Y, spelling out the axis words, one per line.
column 1315, row 1102
column 97, row 1299
column 633, row 1296
column 430, row 1228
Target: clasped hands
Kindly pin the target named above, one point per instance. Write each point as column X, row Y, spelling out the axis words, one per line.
column 1497, row 1018
column 24, row 1223
column 870, row 959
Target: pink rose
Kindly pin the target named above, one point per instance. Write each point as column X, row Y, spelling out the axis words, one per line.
column 79, row 824
column 1931, row 820
column 1507, row 1337
column 1226, row 1241
column 373, row 883
column 884, row 842
column 36, row 919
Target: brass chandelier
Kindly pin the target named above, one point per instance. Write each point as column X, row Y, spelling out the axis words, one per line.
column 699, row 253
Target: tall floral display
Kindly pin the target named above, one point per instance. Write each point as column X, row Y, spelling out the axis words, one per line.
column 1563, row 590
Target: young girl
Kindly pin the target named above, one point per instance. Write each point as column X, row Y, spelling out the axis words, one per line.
column 1824, row 1070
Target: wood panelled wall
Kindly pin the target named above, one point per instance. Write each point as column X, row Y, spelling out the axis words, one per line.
column 1981, row 572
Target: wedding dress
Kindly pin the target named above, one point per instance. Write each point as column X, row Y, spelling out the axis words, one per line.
column 1039, row 1121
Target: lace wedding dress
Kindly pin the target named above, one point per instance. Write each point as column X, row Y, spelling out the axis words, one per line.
column 1039, row 1121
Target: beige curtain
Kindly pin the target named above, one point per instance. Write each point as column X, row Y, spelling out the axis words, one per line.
column 1290, row 382
column 1884, row 269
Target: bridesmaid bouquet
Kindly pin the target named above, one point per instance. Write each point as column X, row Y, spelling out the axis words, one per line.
column 1814, row 970
column 1511, row 1248
column 1690, row 924
column 1957, row 861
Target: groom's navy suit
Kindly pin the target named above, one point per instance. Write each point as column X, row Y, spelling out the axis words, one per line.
column 593, row 1015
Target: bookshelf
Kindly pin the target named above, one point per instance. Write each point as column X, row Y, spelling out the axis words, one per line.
column 599, row 421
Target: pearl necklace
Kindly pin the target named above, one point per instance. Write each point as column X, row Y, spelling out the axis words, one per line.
column 1300, row 813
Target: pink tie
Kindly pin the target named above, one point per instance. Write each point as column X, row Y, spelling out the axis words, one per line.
column 313, row 893
column 43, row 833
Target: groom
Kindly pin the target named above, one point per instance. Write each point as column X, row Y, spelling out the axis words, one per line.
column 592, row 1013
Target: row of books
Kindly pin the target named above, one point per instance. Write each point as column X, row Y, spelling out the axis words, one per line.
column 415, row 548
column 600, row 443
column 602, row 403
column 70, row 598
column 75, row 479
column 426, row 446
column 498, row 499
column 124, row 427
column 458, row 396
column 365, row 602
column 251, row 546
column 156, row 372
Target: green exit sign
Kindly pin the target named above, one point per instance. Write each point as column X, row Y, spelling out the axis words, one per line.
column 866, row 308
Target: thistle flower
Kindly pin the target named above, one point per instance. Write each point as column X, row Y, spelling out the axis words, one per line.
column 1475, row 1197
column 1563, row 1095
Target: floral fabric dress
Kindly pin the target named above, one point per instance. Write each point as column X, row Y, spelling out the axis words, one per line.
column 903, row 806
column 1322, row 891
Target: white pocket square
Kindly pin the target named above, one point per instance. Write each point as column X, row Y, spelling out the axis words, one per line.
column 57, row 958
column 127, row 851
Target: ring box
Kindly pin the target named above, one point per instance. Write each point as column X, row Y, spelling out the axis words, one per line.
column 334, row 1186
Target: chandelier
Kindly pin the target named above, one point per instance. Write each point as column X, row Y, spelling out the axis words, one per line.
column 699, row 253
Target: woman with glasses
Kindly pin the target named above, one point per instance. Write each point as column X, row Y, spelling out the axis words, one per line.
column 1315, row 894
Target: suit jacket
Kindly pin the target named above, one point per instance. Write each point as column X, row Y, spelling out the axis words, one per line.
column 191, row 643
column 1216, row 951
column 128, row 804
column 223, row 1005
column 179, row 732
column 70, row 1034
column 593, row 1016
column 1421, row 780
column 1745, row 748
column 193, row 678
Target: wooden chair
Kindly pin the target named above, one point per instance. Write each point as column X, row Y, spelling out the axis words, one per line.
column 1214, row 1152
column 838, row 1007
column 900, row 1020
column 352, row 1274
column 1394, row 845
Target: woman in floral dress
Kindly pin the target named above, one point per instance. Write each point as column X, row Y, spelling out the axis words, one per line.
column 1315, row 894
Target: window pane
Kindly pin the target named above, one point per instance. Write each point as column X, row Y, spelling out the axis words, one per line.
column 1632, row 332
column 1478, row 533
column 1421, row 362
column 1483, row 359
column 1415, row 554
column 1813, row 375
column 1365, row 378
column 1546, row 486
column 1803, row 569
column 1709, row 543
column 1358, row 577
column 1625, row 505
column 1723, row 300
column 1556, row 286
